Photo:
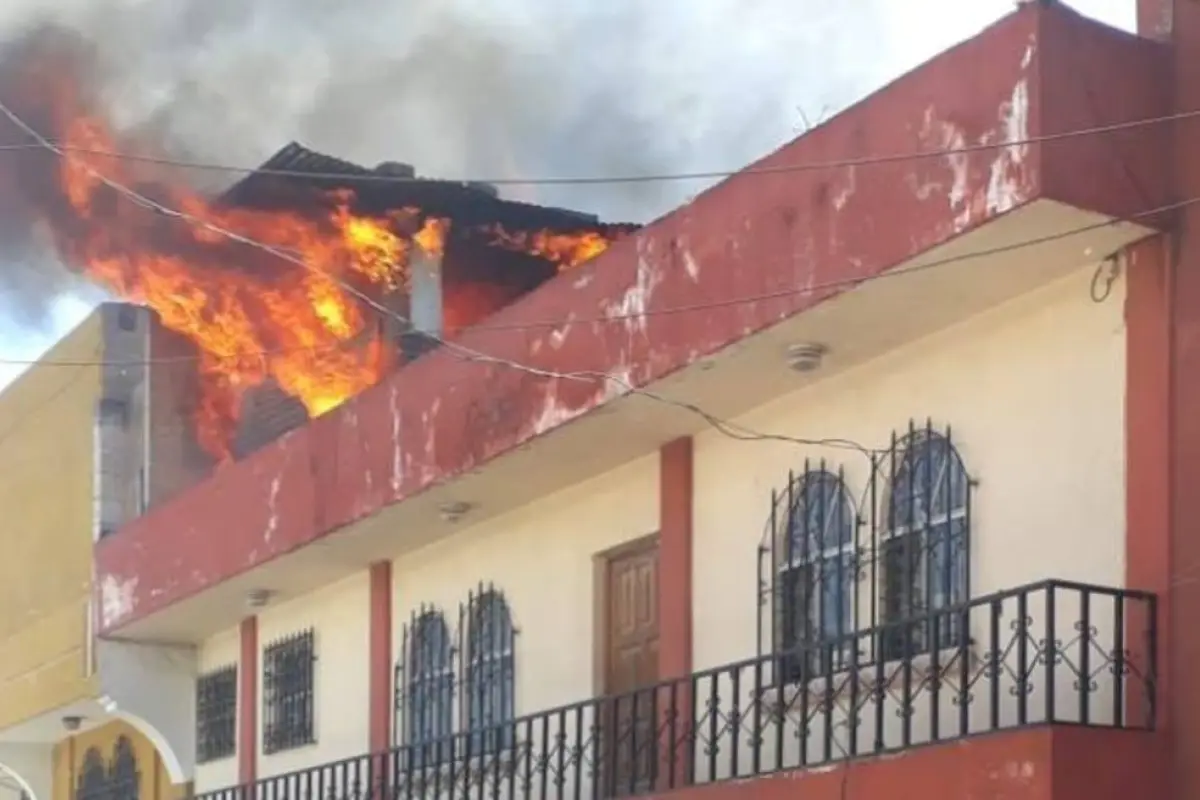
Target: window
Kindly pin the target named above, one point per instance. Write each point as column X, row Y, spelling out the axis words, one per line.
column 124, row 776
column 216, row 714
column 429, row 689
column 92, row 783
column 127, row 318
column 119, row 777
column 489, row 675
column 288, row 667
column 816, row 574
column 924, row 547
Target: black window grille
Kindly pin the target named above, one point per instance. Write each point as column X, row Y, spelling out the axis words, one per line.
column 831, row 568
column 216, row 714
column 425, row 687
column 815, row 571
column 489, row 677
column 288, row 693
column 925, row 542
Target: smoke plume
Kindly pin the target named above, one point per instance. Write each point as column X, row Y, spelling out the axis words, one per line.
column 459, row 88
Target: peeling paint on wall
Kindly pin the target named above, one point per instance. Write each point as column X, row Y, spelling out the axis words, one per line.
column 117, row 599
column 1008, row 180
column 397, row 440
column 633, row 303
column 273, row 507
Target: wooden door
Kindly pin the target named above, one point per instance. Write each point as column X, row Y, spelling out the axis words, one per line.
column 630, row 648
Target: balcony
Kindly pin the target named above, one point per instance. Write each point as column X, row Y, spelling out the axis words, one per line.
column 1050, row 653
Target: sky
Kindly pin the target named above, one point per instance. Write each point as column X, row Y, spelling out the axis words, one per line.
column 696, row 85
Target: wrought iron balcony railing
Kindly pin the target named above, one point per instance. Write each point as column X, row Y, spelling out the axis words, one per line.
column 1051, row 652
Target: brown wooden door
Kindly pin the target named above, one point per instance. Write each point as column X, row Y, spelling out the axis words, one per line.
column 631, row 667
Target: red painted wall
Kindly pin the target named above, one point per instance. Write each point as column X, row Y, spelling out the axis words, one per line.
column 1037, row 764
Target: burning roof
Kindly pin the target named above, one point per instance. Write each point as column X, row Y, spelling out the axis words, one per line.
column 255, row 317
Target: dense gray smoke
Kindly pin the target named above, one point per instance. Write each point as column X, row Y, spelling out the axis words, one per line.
column 524, row 88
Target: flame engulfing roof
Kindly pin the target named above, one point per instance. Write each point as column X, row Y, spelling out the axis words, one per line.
column 297, row 168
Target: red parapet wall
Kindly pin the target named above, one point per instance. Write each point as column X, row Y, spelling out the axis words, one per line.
column 1047, row 763
column 793, row 238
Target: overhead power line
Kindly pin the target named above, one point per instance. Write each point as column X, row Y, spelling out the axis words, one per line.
column 693, row 308
column 40, row 143
column 725, row 427
column 591, row 377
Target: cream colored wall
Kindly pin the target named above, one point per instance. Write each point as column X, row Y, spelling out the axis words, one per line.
column 1034, row 391
column 340, row 618
column 541, row 557
column 219, row 651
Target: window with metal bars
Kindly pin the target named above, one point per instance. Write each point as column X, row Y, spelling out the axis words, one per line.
column 216, row 714
column 467, row 675
column 925, row 543
column 816, row 574
column 426, row 680
column 288, row 692
column 489, row 676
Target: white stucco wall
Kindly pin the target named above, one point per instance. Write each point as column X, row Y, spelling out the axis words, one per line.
column 1034, row 391
column 217, row 652
column 541, row 557
column 340, row 618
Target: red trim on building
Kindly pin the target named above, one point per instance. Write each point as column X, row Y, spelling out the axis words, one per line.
column 752, row 235
column 1148, row 323
column 247, row 731
column 675, row 504
column 675, row 559
column 379, row 715
column 1033, row 764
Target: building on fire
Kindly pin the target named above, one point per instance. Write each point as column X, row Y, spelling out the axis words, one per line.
column 865, row 481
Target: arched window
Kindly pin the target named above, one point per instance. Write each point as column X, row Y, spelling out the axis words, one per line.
column 815, row 573
column 490, row 671
column 430, row 689
column 925, row 543
column 92, row 783
column 123, row 773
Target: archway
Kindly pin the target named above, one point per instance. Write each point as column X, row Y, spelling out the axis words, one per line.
column 26, row 771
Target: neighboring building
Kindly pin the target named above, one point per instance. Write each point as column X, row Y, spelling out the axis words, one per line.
column 910, row 459
column 77, row 716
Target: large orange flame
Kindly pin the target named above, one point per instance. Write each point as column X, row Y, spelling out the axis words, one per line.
column 295, row 324
column 270, row 303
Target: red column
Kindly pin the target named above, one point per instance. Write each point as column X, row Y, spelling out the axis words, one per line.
column 380, row 712
column 675, row 608
column 247, row 738
column 1163, row 323
column 675, row 559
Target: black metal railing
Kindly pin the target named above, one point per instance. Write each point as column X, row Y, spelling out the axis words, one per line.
column 1051, row 652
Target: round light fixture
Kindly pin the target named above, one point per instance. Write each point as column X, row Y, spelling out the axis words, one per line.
column 806, row 356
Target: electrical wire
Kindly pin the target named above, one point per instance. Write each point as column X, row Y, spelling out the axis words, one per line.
column 1101, row 280
column 726, row 427
column 586, row 376
column 41, row 142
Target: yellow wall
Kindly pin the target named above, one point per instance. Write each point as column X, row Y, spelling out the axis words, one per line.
column 154, row 783
column 46, row 530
